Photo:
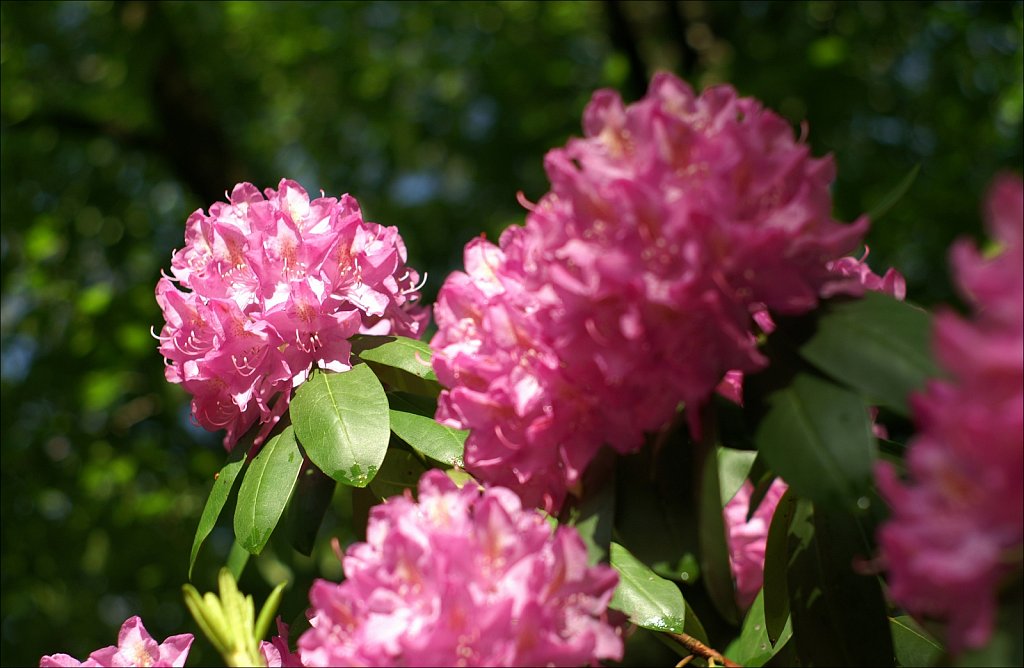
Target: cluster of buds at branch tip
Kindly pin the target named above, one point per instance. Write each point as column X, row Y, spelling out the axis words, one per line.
column 229, row 621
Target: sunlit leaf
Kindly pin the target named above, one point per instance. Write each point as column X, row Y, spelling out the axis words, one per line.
column 223, row 483
column 266, row 489
column 646, row 598
column 342, row 422
column 433, row 439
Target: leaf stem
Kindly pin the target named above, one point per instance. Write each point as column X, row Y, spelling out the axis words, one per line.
column 713, row 656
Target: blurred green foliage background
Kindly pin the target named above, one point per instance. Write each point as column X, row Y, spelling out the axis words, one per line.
column 120, row 118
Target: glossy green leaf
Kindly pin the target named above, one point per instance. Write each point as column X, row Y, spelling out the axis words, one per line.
column 399, row 352
column 839, row 616
column 237, row 560
column 913, row 645
column 646, row 598
column 714, row 551
column 223, row 483
column 817, row 436
column 309, row 503
column 400, row 471
column 753, row 647
column 876, row 345
column 342, row 422
column 266, row 489
column 776, row 562
column 433, row 439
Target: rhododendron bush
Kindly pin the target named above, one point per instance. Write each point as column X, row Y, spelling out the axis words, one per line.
column 658, row 410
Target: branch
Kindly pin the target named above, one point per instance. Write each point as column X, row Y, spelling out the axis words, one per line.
column 713, row 656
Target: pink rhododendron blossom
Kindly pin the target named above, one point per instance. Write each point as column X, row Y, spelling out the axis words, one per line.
column 276, row 653
column 635, row 284
column 463, row 577
column 957, row 525
column 135, row 647
column 266, row 289
column 747, row 539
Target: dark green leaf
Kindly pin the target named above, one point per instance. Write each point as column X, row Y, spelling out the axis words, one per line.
column 817, row 436
column 876, row 345
column 646, row 598
column 223, row 483
column 433, row 439
column 752, row 647
column 894, row 195
column 657, row 518
column 266, row 489
column 776, row 563
column 400, row 471
column 309, row 503
column 839, row 617
column 342, row 422
column 714, row 551
column 913, row 645
column 399, row 352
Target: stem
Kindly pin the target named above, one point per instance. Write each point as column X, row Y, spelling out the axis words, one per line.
column 700, row 649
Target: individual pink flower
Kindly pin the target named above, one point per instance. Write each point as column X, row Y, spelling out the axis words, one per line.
column 463, row 577
column 266, row 289
column 135, row 647
column 276, row 653
column 957, row 525
column 636, row 283
column 747, row 539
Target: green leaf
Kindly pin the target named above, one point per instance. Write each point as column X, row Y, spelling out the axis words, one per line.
column 401, row 362
column 342, row 422
column 435, row 440
column 839, row 616
column 714, row 550
column 646, row 598
column 266, row 489
column 399, row 352
column 309, row 503
column 876, row 345
column 753, row 647
column 733, row 468
column 817, row 436
column 776, row 563
column 223, row 483
column 913, row 645
column 894, row 195
column 400, row 471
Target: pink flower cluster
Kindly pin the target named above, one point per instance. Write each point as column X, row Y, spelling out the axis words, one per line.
column 462, row 578
column 135, row 647
column 957, row 526
column 633, row 285
column 747, row 539
column 273, row 287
